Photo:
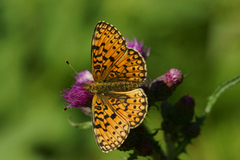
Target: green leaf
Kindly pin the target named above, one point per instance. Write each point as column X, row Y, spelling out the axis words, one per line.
column 84, row 125
column 218, row 91
column 133, row 156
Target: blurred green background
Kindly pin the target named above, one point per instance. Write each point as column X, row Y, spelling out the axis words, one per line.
column 36, row 37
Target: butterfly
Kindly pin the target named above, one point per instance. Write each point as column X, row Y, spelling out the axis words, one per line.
column 118, row 103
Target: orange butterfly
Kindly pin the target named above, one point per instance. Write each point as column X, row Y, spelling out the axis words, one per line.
column 118, row 103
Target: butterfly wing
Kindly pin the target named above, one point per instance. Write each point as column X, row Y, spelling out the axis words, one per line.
column 108, row 46
column 110, row 129
column 131, row 105
column 112, row 60
column 114, row 114
column 131, row 67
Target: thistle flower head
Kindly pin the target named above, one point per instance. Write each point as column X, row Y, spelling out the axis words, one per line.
column 162, row 87
column 173, row 78
column 77, row 96
column 84, row 77
column 145, row 52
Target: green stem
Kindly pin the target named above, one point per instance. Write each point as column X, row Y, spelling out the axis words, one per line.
column 181, row 147
column 218, row 91
column 157, row 156
column 170, row 147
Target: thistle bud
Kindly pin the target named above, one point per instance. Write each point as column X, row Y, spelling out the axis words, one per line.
column 183, row 110
column 168, row 126
column 162, row 87
column 166, row 108
column 192, row 130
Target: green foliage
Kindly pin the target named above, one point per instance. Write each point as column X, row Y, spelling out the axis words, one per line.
column 218, row 91
column 36, row 37
column 84, row 125
column 181, row 148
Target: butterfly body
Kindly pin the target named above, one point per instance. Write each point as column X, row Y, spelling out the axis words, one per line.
column 118, row 103
column 100, row 87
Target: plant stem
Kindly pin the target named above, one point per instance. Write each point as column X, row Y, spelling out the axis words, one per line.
column 170, row 147
column 182, row 146
column 218, row 91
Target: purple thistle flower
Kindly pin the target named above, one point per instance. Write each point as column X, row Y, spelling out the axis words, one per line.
column 84, row 77
column 162, row 87
column 145, row 52
column 77, row 96
column 173, row 78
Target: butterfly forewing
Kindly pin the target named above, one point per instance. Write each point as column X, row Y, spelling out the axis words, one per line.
column 131, row 67
column 108, row 46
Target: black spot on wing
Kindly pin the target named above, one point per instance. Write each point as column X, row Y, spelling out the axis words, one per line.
column 111, row 59
column 106, row 116
column 105, row 50
column 113, row 116
column 97, row 118
column 95, row 47
column 97, row 67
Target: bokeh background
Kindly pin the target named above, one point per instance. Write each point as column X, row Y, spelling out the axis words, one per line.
column 199, row 37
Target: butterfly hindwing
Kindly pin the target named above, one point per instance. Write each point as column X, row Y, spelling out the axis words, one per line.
column 131, row 105
column 110, row 129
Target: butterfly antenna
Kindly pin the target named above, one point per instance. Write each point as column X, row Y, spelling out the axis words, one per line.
column 186, row 75
column 71, row 66
column 75, row 71
column 73, row 101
